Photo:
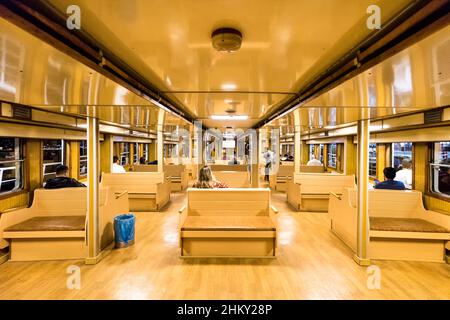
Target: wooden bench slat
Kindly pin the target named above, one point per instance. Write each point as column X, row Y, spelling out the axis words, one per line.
column 206, row 223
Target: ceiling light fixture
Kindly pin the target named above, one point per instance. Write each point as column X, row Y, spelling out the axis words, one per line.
column 226, row 39
column 227, row 117
column 228, row 86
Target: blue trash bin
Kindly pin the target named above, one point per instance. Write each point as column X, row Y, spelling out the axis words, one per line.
column 124, row 226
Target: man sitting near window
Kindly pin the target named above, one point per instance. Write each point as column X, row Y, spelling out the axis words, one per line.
column 389, row 182
column 62, row 180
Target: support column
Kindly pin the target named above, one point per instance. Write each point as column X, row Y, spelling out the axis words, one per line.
column 361, row 256
column 297, row 142
column 160, row 146
column 93, row 190
column 254, row 158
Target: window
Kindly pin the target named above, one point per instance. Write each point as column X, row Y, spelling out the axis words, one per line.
column 311, row 151
column 52, row 156
column 401, row 152
column 125, row 154
column 331, row 155
column 83, row 158
column 440, row 168
column 373, row 160
column 145, row 153
column 136, row 153
column 11, row 165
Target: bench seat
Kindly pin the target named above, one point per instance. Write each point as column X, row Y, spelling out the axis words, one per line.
column 232, row 222
column 405, row 225
column 241, row 223
column 53, row 223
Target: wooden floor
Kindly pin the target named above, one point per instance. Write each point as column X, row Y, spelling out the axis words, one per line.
column 312, row 264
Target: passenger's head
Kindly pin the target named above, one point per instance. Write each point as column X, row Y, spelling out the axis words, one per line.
column 116, row 159
column 61, row 170
column 205, row 174
column 406, row 164
column 389, row 173
column 142, row 160
column 313, row 157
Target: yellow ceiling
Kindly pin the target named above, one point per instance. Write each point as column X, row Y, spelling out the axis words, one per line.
column 285, row 44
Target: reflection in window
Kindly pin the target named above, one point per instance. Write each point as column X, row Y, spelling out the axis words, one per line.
column 373, row 160
column 83, row 158
column 401, row 151
column 52, row 156
column 311, row 151
column 11, row 165
column 331, row 155
column 440, row 168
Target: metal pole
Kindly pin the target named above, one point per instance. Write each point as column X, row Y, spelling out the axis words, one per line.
column 361, row 256
column 93, row 190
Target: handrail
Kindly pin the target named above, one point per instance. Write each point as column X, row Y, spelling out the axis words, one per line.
column 182, row 209
column 121, row 194
column 335, row 195
column 440, row 165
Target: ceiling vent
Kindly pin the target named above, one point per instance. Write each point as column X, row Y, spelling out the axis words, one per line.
column 21, row 112
column 226, row 39
column 433, row 116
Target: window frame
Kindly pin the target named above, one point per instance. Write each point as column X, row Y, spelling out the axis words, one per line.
column 23, row 169
column 63, row 156
column 375, row 176
column 82, row 158
column 431, row 175
column 329, row 148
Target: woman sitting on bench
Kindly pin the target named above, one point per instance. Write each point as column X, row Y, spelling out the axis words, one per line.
column 207, row 181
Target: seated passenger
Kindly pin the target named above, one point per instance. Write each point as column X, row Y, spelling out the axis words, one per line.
column 405, row 174
column 153, row 162
column 207, row 181
column 444, row 178
column 62, row 180
column 142, row 160
column 389, row 182
column 116, row 167
column 314, row 162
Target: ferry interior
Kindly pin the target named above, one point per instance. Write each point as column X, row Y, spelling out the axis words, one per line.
column 225, row 150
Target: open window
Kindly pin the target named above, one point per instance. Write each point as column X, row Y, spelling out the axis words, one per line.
column 11, row 165
column 373, row 160
column 83, row 162
column 332, row 155
column 52, row 156
column 440, row 169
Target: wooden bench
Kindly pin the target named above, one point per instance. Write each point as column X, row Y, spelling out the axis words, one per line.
column 228, row 223
column 310, row 191
column 279, row 180
column 234, row 179
column 176, row 173
column 400, row 227
column 54, row 226
column 312, row 169
column 147, row 191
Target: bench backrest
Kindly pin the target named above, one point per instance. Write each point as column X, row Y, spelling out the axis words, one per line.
column 391, row 203
column 228, row 202
column 174, row 170
column 226, row 167
column 133, row 182
column 285, row 171
column 234, row 179
column 312, row 169
column 64, row 202
column 145, row 168
column 324, row 183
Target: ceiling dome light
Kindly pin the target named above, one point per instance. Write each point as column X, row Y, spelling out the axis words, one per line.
column 226, row 39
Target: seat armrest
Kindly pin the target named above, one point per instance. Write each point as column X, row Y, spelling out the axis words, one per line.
column 118, row 196
column 335, row 195
column 275, row 210
column 182, row 209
